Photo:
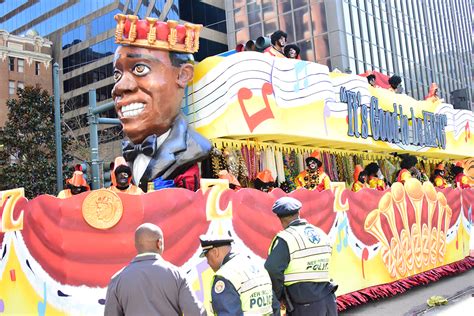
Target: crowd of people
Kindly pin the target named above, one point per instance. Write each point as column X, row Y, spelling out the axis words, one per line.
column 371, row 177
column 277, row 48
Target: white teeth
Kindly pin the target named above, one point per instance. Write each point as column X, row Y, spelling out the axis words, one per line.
column 132, row 109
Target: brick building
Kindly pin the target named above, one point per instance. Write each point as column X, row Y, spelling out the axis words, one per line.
column 24, row 60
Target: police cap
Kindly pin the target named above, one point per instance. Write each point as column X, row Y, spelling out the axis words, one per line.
column 286, row 206
column 213, row 241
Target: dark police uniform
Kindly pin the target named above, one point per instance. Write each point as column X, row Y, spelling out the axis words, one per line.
column 305, row 278
column 241, row 286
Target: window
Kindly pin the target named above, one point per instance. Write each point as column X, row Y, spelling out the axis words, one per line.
column 37, row 68
column 20, row 85
column 11, row 63
column 11, row 87
column 21, row 65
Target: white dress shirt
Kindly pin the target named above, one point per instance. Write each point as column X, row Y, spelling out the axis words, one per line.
column 142, row 160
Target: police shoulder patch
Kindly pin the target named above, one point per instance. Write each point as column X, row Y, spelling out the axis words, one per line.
column 219, row 286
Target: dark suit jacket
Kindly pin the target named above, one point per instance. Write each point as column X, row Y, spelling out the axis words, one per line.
column 183, row 148
column 149, row 285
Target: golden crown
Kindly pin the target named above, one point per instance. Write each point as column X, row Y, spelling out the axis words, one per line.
column 154, row 34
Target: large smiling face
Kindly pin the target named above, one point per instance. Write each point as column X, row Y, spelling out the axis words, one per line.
column 148, row 90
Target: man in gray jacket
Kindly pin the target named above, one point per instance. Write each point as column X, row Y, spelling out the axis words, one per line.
column 149, row 285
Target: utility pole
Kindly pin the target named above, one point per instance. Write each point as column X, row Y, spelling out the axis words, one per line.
column 94, row 121
column 57, row 127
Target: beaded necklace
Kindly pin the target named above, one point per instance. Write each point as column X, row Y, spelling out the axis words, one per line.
column 311, row 179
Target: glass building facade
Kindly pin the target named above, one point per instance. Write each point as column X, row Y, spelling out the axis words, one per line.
column 82, row 32
column 422, row 41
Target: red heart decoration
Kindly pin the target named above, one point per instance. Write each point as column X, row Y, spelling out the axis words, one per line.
column 256, row 224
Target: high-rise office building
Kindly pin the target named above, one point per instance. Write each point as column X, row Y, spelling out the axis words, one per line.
column 82, row 32
column 422, row 41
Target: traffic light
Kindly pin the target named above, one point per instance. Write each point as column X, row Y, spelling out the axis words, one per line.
column 108, row 169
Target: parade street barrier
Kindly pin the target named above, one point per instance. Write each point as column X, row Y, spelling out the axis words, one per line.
column 58, row 255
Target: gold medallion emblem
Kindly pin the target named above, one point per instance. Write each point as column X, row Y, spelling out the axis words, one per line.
column 102, row 209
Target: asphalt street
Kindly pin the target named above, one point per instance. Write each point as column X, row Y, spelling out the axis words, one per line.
column 458, row 289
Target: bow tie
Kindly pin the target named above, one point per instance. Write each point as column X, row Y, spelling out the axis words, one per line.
column 147, row 147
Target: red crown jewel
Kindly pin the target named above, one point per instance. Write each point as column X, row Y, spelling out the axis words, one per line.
column 154, row 34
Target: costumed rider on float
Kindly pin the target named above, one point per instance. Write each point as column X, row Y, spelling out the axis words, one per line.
column 461, row 180
column 375, row 176
column 122, row 178
column 278, row 40
column 314, row 177
column 438, row 177
column 75, row 185
column 360, row 179
column 152, row 67
column 408, row 169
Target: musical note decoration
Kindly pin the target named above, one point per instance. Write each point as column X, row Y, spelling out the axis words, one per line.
column 262, row 115
column 299, row 67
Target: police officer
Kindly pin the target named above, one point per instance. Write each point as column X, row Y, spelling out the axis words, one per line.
column 298, row 263
column 241, row 286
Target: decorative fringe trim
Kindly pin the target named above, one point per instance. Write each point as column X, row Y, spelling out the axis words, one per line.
column 390, row 289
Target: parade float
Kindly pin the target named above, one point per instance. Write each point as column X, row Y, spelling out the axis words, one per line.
column 58, row 255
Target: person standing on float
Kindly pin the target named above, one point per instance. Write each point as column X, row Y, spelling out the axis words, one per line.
column 314, row 177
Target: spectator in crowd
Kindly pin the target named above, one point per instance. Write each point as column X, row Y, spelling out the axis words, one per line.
column 149, row 285
column 278, row 40
column 292, row 51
